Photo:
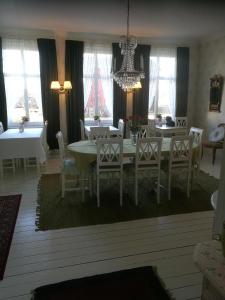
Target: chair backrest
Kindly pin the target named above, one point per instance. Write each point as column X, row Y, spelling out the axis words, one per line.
column 109, row 152
column 99, row 133
column 181, row 122
column 148, row 152
column 121, row 127
column 196, row 133
column 151, row 124
column 60, row 140
column 1, row 128
column 82, row 131
column 146, row 131
column 181, row 151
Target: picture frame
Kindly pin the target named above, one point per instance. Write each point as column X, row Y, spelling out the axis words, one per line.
column 216, row 90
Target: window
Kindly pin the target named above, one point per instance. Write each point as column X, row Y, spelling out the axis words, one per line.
column 98, row 83
column 22, row 81
column 162, row 86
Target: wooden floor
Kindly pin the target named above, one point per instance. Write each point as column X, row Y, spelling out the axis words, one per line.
column 43, row 257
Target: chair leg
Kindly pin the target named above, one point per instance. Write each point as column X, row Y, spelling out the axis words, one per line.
column 169, row 186
column 25, row 164
column 98, row 192
column 13, row 166
column 188, row 183
column 83, row 186
column 136, row 188
column 63, row 185
column 158, row 189
column 214, row 156
column 1, row 169
column 121, row 190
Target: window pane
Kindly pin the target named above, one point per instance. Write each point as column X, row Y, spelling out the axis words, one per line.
column 31, row 60
column 167, row 67
column 12, row 62
column 15, row 98
column 163, row 98
column 34, row 100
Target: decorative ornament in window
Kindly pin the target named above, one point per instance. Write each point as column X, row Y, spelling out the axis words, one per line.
column 216, row 89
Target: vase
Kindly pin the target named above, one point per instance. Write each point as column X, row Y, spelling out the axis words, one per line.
column 134, row 137
column 21, row 128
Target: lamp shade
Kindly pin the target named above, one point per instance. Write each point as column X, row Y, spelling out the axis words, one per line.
column 67, row 85
column 137, row 85
column 55, row 85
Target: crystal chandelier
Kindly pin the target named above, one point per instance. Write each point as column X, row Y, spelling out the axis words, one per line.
column 127, row 76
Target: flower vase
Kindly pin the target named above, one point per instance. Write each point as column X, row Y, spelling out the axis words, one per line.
column 134, row 137
column 21, row 128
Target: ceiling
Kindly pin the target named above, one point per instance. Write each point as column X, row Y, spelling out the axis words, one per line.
column 162, row 19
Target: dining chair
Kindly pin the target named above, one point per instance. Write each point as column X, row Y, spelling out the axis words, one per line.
column 151, row 124
column 70, row 175
column 82, row 130
column 121, row 127
column 99, row 132
column 180, row 159
column 148, row 162
column 196, row 134
column 6, row 163
column 109, row 162
column 181, row 122
column 146, row 131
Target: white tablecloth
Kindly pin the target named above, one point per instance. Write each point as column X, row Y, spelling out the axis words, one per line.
column 14, row 144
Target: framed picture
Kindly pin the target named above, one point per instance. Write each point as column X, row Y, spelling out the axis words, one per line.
column 216, row 89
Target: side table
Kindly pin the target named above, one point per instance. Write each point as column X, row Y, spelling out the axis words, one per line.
column 209, row 259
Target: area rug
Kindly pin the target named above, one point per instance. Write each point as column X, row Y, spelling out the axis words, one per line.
column 54, row 212
column 9, row 207
column 139, row 283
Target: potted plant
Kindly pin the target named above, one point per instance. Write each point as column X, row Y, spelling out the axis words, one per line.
column 24, row 119
column 134, row 124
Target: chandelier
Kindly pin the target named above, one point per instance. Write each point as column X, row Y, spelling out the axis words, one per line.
column 127, row 76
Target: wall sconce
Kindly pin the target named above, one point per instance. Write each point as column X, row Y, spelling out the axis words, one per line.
column 61, row 88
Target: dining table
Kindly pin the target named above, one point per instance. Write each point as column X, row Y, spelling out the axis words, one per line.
column 29, row 143
column 85, row 151
column 165, row 130
column 113, row 130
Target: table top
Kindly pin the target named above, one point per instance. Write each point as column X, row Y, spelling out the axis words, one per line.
column 27, row 133
column 111, row 128
column 168, row 128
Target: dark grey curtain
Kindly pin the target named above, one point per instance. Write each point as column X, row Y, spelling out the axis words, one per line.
column 182, row 81
column 3, row 106
column 119, row 96
column 50, row 99
column 75, row 99
column 140, row 96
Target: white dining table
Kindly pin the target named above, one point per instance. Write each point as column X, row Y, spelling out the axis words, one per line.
column 15, row 144
column 112, row 129
column 164, row 130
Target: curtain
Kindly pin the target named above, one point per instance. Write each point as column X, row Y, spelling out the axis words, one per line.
column 119, row 96
column 162, row 89
column 75, row 98
column 182, row 81
column 3, row 107
column 22, row 72
column 50, row 99
column 98, row 82
column 141, row 96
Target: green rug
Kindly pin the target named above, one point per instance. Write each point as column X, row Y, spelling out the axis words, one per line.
column 54, row 212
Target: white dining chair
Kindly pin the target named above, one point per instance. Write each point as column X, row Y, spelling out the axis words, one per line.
column 148, row 162
column 181, row 122
column 121, row 127
column 180, row 159
column 6, row 163
column 146, row 131
column 99, row 132
column 82, row 130
column 152, row 124
column 196, row 134
column 109, row 162
column 70, row 176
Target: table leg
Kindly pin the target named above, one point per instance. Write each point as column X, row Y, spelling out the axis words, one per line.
column 214, row 155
